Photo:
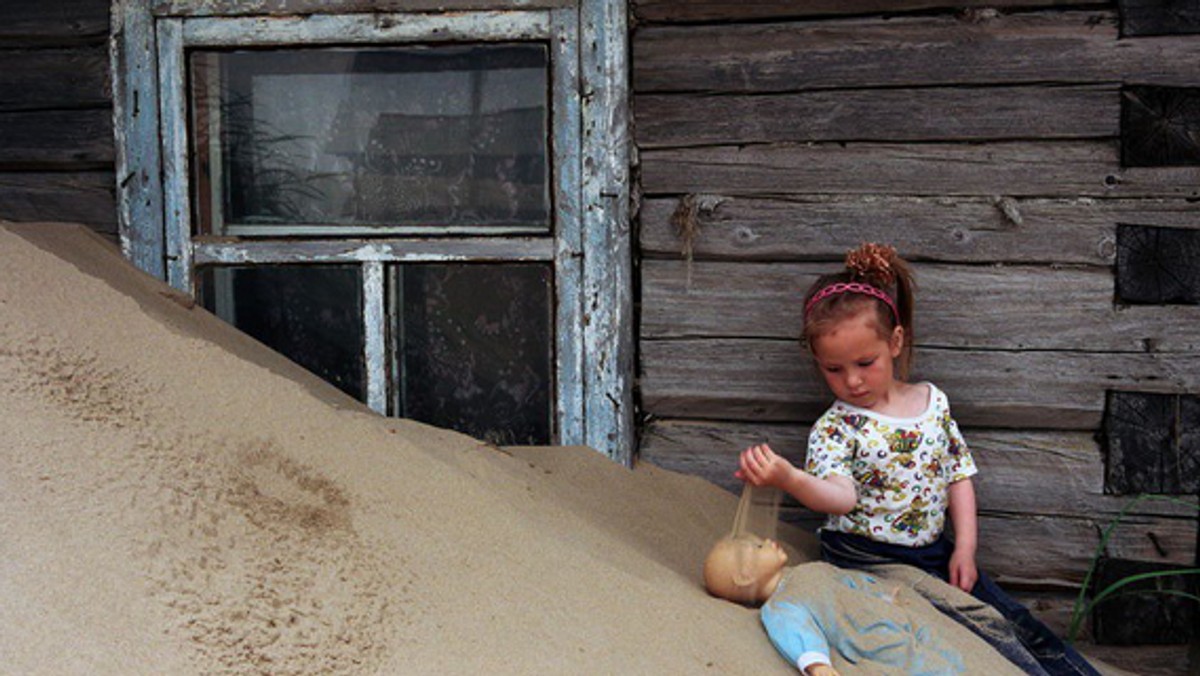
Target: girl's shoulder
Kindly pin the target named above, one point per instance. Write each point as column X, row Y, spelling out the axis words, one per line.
column 938, row 401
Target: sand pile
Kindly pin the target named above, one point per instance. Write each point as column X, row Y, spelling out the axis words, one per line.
column 175, row 498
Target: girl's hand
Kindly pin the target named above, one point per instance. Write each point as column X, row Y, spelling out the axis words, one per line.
column 963, row 573
column 760, row 466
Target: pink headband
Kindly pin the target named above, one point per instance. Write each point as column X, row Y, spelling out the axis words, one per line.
column 851, row 287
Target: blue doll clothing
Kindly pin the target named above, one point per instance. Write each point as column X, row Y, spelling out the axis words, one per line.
column 808, row 619
column 1039, row 651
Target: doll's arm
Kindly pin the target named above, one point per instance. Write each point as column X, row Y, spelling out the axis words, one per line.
column 963, row 573
column 761, row 466
column 798, row 637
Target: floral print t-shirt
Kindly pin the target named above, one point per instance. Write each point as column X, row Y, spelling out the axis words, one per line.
column 902, row 467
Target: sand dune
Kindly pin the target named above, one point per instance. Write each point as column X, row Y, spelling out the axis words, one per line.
column 175, row 498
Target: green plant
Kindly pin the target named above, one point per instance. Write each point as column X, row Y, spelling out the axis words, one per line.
column 1083, row 606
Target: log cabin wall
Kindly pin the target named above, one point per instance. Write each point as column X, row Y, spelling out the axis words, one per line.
column 56, row 138
column 986, row 144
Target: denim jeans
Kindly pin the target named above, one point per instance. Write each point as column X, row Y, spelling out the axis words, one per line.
column 1036, row 649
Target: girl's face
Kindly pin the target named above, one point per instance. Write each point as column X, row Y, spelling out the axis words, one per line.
column 858, row 364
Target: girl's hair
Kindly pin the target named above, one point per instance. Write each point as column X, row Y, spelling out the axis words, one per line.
column 880, row 268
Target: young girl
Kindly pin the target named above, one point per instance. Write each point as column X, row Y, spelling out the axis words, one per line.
column 886, row 462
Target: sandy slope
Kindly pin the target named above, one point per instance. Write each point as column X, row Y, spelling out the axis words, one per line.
column 177, row 499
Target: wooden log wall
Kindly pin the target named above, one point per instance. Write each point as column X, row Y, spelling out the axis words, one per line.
column 56, row 138
column 984, row 143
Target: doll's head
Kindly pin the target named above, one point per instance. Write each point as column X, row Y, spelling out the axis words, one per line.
column 744, row 569
column 877, row 287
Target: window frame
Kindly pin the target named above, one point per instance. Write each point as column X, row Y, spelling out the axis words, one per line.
column 588, row 245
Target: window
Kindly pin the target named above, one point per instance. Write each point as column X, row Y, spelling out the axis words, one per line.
column 422, row 208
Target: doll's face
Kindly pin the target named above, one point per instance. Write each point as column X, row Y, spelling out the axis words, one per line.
column 760, row 559
column 745, row 569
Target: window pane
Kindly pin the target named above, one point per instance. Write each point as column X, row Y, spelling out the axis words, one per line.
column 315, row 141
column 473, row 349
column 312, row 314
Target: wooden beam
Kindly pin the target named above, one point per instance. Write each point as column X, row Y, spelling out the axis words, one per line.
column 926, row 114
column 1024, row 547
column 607, row 257
column 1018, row 169
column 687, row 11
column 976, row 307
column 363, row 29
column 79, row 197
column 1146, row 438
column 219, row 251
column 570, row 368
column 135, row 116
column 1157, row 265
column 69, row 139
column 774, row 380
column 60, row 22
column 1158, row 17
column 1157, row 610
column 193, row 8
column 1160, row 126
column 55, row 78
column 967, row 230
column 1021, row 48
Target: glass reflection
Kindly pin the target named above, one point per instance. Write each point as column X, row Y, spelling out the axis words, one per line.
column 312, row 314
column 350, row 140
column 473, row 349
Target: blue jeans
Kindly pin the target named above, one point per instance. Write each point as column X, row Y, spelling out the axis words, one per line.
column 1036, row 650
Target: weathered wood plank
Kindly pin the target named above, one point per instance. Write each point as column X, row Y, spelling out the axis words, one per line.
column 927, row 114
column 1025, row 547
column 975, row 230
column 1018, row 169
column 1064, row 47
column 47, row 139
column 1147, row 443
column 1158, row 17
column 1160, row 126
column 322, row 29
column 1157, row 265
column 607, row 261
column 568, row 239
column 60, row 22
column 174, row 149
column 773, row 380
column 304, row 7
column 1147, row 611
column 55, row 78
column 684, row 11
column 996, row 307
column 218, row 251
column 1049, row 473
column 85, row 197
column 136, row 128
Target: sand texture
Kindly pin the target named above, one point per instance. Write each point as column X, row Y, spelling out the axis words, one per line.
column 177, row 499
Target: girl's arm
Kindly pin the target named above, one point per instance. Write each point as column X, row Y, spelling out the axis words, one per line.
column 761, row 466
column 963, row 572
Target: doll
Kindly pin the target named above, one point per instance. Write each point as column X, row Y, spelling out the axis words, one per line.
column 813, row 610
